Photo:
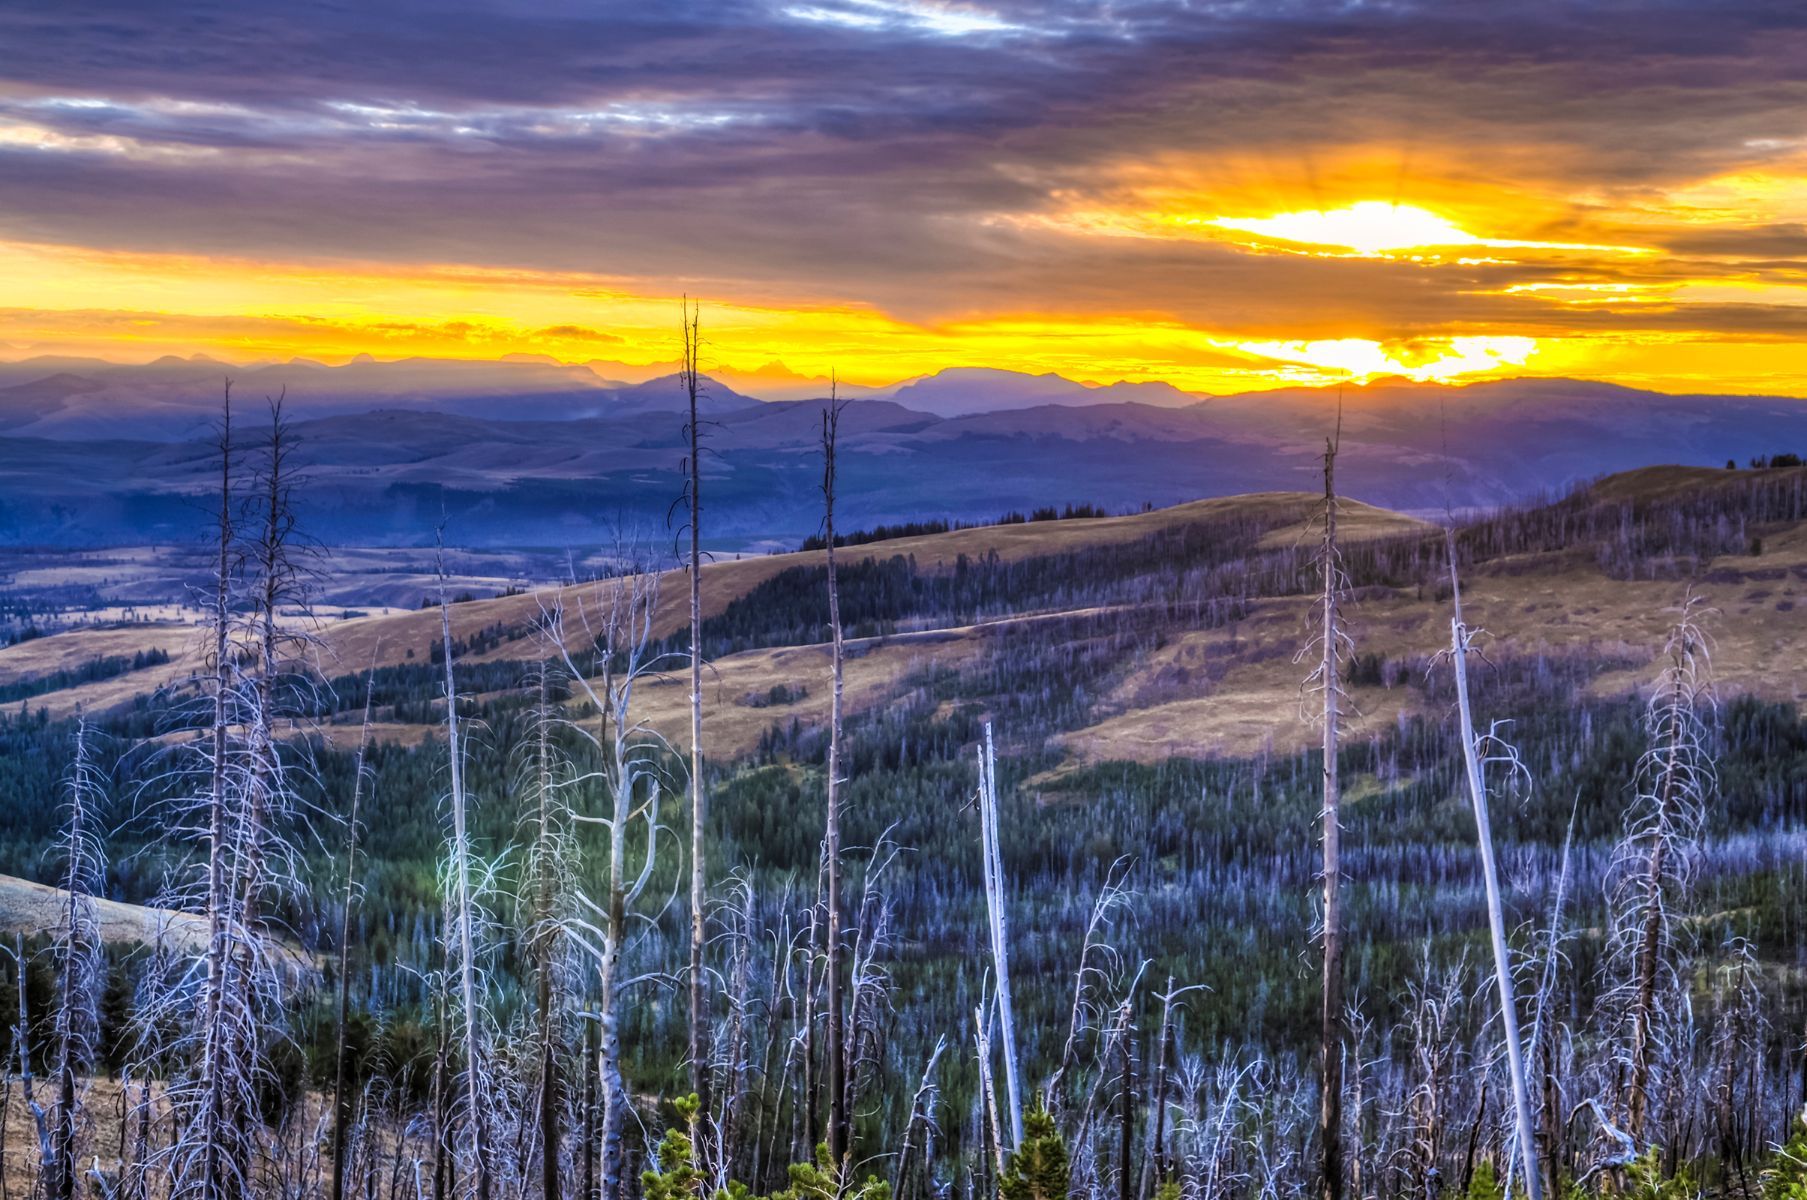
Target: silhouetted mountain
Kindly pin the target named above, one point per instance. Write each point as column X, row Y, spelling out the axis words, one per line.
column 173, row 399
column 110, row 454
column 959, row 391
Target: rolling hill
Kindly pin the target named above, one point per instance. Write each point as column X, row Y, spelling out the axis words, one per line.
column 1201, row 608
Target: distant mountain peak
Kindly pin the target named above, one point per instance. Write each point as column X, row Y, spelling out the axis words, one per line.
column 966, row 391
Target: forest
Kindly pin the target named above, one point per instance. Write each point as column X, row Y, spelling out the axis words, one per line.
column 1540, row 936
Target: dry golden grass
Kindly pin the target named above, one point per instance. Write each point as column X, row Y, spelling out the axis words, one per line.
column 1229, row 692
column 349, row 646
column 73, row 648
column 32, row 908
column 352, row 644
column 1235, row 692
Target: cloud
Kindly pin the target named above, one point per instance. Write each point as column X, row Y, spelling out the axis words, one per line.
column 578, row 333
column 929, row 160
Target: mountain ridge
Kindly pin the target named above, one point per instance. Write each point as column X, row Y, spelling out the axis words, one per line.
column 380, row 463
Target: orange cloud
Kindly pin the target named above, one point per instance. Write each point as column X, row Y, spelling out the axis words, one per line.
column 241, row 309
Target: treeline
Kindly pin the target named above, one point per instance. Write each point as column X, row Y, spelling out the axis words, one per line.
column 92, row 671
column 906, row 529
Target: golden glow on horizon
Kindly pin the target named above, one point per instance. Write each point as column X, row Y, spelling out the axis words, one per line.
column 249, row 310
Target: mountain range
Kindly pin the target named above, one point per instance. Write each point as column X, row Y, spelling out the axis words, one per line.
column 529, row 451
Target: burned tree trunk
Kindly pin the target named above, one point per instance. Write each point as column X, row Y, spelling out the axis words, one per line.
column 699, row 876
column 464, row 912
column 1000, row 940
column 1330, row 1023
column 77, row 1023
column 836, row 1070
column 342, row 1055
column 1524, row 1126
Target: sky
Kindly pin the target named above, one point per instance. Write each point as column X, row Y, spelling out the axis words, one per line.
column 1225, row 195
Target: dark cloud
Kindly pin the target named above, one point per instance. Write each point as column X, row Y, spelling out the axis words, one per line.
column 856, row 148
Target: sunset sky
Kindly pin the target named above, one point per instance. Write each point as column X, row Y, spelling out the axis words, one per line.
column 1224, row 195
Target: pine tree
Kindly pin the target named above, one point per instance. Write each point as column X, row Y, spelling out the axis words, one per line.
column 1038, row 1168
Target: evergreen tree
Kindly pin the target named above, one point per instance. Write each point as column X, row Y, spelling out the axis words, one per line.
column 1037, row 1169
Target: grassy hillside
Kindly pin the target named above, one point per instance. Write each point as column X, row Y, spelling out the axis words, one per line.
column 1140, row 676
column 1210, row 688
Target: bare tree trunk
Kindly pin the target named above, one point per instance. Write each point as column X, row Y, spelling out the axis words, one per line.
column 1127, row 1115
column 1000, row 941
column 589, row 1117
column 838, row 1126
column 77, row 1015
column 1496, row 916
column 136, row 1172
column 342, row 1056
column 442, row 1099
column 812, row 1100
column 699, row 878
column 22, row 1043
column 546, row 954
column 988, row 1099
column 212, row 1184
column 466, row 909
column 1653, row 865
column 1543, row 1036
column 1330, row 1035
column 1154, row 1163
column 919, row 1129
column 1643, row 1013
column 626, row 607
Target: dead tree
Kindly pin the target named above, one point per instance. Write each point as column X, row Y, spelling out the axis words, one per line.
column 699, row 876
column 1543, row 1027
column 464, row 910
column 836, row 1070
column 618, row 624
column 548, row 878
column 1325, row 680
column 1126, row 1113
column 342, row 1102
column 1434, row 1004
column 1740, row 1034
column 22, row 1049
column 1654, row 863
column 208, row 1165
column 995, row 902
column 81, row 968
column 1476, row 755
column 915, row 1159
column 991, row 1135
column 1099, row 962
column 1155, row 1164
column 215, row 1022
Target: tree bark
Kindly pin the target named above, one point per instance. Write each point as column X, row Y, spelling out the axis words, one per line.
column 1000, row 939
column 342, row 1057
column 699, row 879
column 465, row 916
column 546, row 949
column 1523, row 1124
column 838, row 1125
column 1330, row 1034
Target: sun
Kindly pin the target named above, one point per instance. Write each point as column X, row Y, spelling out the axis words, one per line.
column 1368, row 227
column 1378, row 228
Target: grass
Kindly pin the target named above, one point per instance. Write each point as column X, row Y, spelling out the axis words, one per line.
column 1225, row 692
column 32, row 908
